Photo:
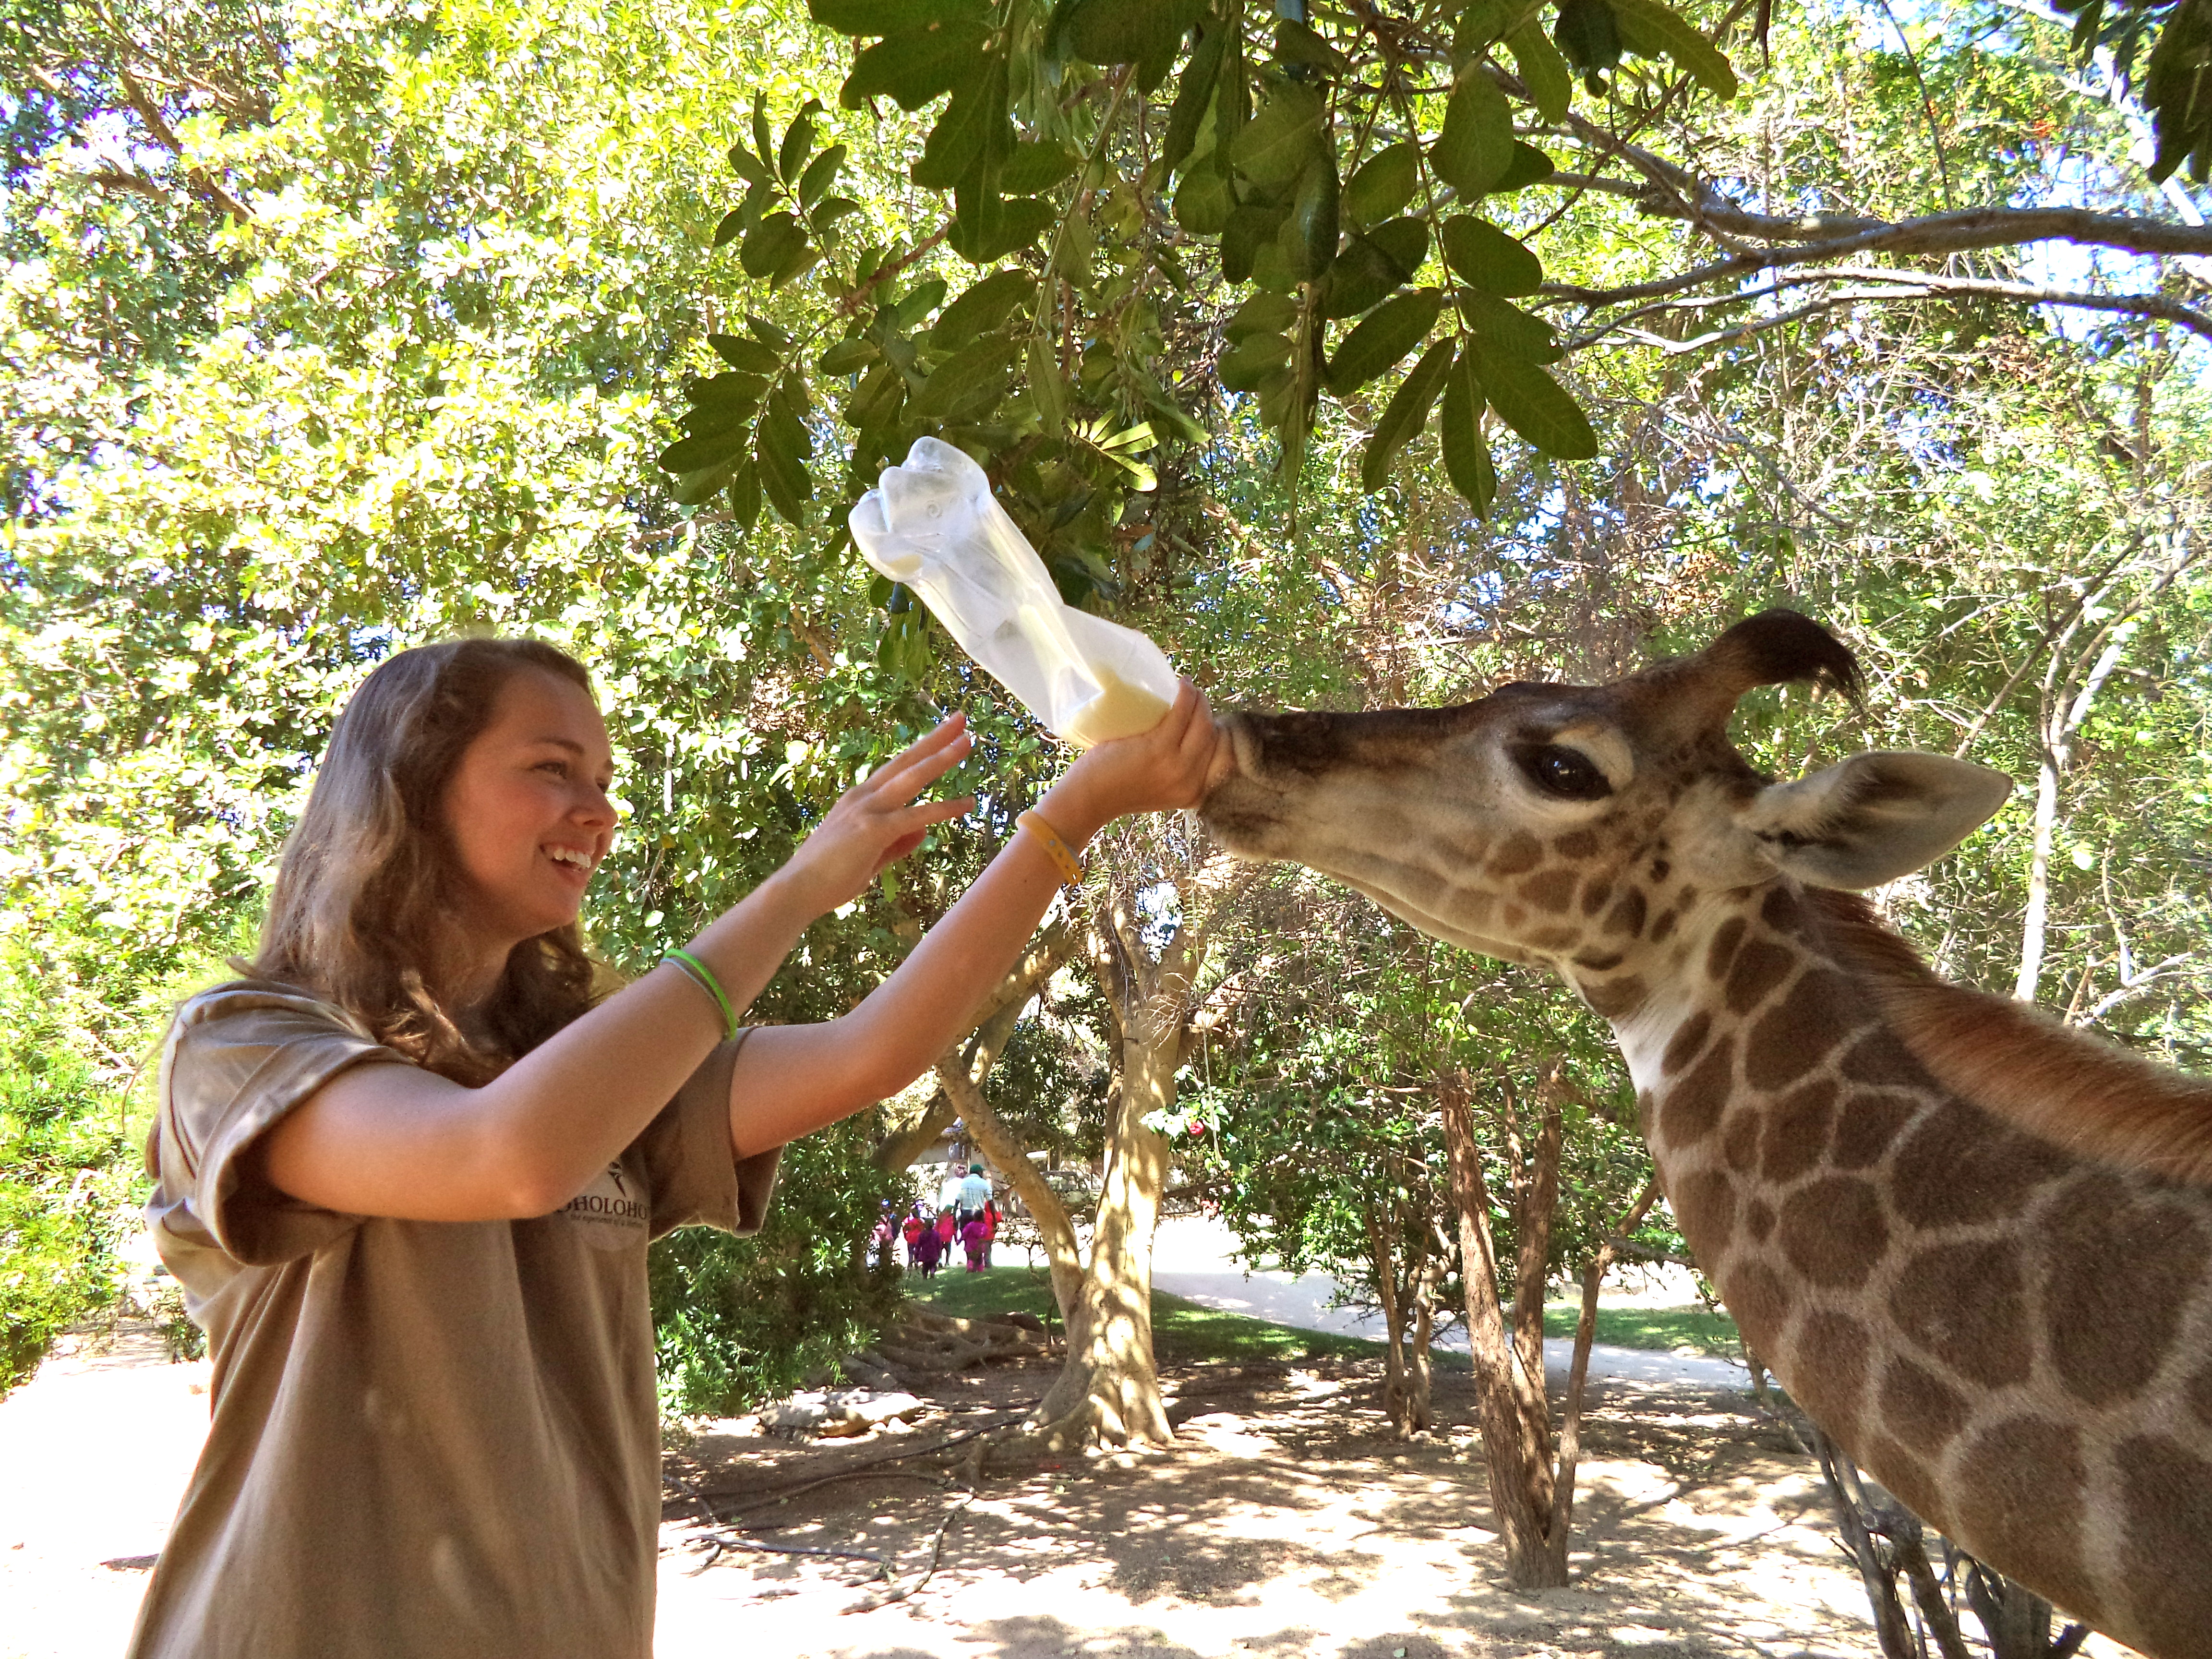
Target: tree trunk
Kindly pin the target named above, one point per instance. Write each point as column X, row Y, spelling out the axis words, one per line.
column 1397, row 1400
column 1063, row 1254
column 901, row 1148
column 1109, row 1392
column 1570, row 1409
column 1520, row 1466
column 1425, row 1331
column 1536, row 1200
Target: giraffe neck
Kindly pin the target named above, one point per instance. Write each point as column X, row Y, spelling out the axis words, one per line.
column 2015, row 1340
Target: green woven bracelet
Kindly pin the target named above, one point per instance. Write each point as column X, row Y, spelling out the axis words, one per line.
column 699, row 972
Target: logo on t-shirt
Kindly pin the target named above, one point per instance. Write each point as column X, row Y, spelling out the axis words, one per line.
column 612, row 1211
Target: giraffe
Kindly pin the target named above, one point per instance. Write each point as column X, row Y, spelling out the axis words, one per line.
column 1974, row 1245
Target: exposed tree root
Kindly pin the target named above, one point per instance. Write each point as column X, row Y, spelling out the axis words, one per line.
column 938, row 1344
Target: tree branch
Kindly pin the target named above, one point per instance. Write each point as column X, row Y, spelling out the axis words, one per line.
column 1897, row 285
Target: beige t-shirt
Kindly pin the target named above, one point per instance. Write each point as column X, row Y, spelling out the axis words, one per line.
column 428, row 1437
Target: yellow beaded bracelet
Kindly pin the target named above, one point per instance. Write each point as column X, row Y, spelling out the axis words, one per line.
column 1070, row 871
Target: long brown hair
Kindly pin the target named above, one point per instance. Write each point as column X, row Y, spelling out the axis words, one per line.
column 368, row 875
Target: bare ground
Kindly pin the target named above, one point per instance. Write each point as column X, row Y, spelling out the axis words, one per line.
column 1285, row 1523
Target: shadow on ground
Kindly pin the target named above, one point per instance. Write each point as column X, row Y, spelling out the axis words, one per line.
column 1286, row 1521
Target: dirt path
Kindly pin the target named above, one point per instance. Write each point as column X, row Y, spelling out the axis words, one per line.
column 1284, row 1523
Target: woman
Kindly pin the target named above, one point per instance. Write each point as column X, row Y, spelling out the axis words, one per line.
column 408, row 1169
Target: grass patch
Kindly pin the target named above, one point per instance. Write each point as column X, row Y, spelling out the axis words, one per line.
column 1667, row 1330
column 1183, row 1332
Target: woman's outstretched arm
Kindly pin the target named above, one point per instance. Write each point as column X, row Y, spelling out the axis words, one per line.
column 792, row 1079
column 399, row 1141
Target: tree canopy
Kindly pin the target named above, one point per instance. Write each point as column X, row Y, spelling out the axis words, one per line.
column 334, row 328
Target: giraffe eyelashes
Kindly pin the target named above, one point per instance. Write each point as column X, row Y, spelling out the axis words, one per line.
column 1559, row 771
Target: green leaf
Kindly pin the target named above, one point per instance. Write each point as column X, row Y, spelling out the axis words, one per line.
column 1388, row 332
column 1482, row 255
column 1476, row 145
column 746, row 495
column 1533, row 404
column 1589, row 38
column 748, row 355
column 827, row 212
column 967, row 385
column 774, row 240
column 731, row 225
column 1369, row 268
column 916, row 303
column 1407, row 413
column 895, row 16
column 1308, row 238
column 1543, row 71
column 763, row 139
column 1046, row 390
column 1480, row 22
column 1249, row 229
column 1261, row 313
column 848, row 357
column 876, row 399
column 1032, row 168
column 1194, row 93
column 1275, row 145
column 1648, row 29
column 797, row 141
column 1529, row 165
column 1384, row 184
column 1008, row 226
column 913, row 70
column 820, row 175
column 982, row 307
column 1202, row 203
column 1127, row 31
column 696, row 454
column 733, row 391
column 694, row 489
column 1504, row 327
column 973, row 132
column 772, row 335
column 1296, row 42
column 801, row 259
column 781, row 455
column 1252, row 360
column 1459, row 434
column 749, row 167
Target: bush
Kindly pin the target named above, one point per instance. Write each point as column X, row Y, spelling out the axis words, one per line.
column 66, row 1206
column 738, row 1320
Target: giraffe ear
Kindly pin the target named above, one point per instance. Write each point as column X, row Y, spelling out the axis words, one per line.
column 1873, row 817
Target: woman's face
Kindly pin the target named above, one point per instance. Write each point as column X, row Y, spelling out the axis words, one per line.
column 527, row 808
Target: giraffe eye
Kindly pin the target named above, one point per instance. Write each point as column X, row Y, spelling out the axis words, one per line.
column 1567, row 773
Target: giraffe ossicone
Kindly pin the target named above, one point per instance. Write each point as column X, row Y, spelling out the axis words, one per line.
column 1975, row 1246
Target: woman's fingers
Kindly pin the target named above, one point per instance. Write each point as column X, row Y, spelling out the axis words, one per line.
column 919, row 764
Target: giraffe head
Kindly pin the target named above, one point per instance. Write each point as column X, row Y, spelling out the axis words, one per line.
column 1585, row 826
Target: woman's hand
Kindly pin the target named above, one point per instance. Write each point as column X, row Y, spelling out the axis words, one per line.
column 1155, row 771
column 877, row 821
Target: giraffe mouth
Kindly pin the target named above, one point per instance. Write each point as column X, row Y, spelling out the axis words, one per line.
column 1244, row 813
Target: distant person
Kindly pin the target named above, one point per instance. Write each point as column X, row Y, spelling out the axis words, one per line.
column 990, row 1228
column 911, row 1230
column 948, row 1230
column 974, row 1194
column 928, row 1249
column 886, row 1238
column 407, row 1168
column 977, row 1236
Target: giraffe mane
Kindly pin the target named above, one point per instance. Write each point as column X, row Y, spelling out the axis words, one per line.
column 2015, row 1061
